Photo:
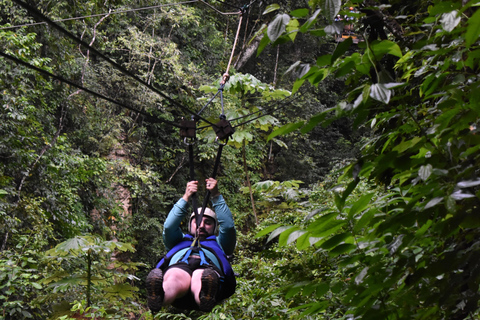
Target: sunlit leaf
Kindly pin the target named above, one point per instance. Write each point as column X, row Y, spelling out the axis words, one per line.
column 459, row 195
column 380, row 92
column 380, row 48
column 278, row 26
column 425, row 171
column 267, row 230
column 433, row 202
column 277, row 232
column 270, row 8
column 450, row 20
column 468, row 183
column 359, row 278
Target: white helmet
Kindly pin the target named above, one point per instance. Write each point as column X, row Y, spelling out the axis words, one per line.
column 209, row 213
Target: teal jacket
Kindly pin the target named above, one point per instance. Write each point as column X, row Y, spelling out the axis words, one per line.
column 172, row 234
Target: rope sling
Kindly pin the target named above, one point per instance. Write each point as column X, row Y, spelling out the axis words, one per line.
column 223, row 130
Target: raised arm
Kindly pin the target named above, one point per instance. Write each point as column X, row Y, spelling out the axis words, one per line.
column 172, row 233
column 227, row 236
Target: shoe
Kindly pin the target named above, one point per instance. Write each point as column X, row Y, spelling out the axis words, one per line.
column 155, row 292
column 209, row 290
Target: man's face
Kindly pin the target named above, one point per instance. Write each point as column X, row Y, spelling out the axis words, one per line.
column 207, row 227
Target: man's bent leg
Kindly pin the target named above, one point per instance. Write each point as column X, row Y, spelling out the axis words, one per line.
column 204, row 288
column 176, row 283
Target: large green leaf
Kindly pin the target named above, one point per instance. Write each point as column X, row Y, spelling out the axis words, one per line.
column 380, row 92
column 267, row 230
column 285, row 129
column 306, row 26
column 360, row 205
column 278, row 231
column 331, row 7
column 341, row 49
column 450, row 20
column 278, row 26
column 473, row 29
column 121, row 290
column 380, row 48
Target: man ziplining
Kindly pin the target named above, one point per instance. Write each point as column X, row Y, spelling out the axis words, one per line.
column 195, row 273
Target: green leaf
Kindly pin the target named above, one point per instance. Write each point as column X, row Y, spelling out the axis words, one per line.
column 36, row 285
column 380, row 92
column 324, row 60
column 331, row 7
column 365, row 219
column 443, row 7
column 409, row 144
column 270, row 8
column 304, row 28
column 468, row 183
column 450, row 20
column 303, row 242
column 267, row 230
column 263, row 43
column 122, row 290
column 284, row 238
column 295, row 235
column 277, row 27
column 289, row 127
column 425, row 171
column 315, row 120
column 74, row 244
column 360, row 205
column 299, row 13
column 380, row 48
column 433, row 202
column 473, row 29
column 298, row 83
column 342, row 249
column 341, row 49
column 321, row 289
column 277, row 232
column 335, row 240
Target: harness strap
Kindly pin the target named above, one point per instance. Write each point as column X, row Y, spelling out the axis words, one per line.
column 199, row 217
column 203, row 259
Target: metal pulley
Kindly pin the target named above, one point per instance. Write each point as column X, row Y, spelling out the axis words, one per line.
column 223, row 128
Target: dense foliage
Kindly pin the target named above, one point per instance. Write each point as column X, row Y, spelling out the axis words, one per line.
column 410, row 250
column 361, row 204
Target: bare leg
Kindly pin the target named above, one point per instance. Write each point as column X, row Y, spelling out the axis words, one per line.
column 176, row 283
column 197, row 284
column 204, row 288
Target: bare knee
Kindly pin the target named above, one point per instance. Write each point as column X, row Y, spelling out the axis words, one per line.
column 176, row 283
column 196, row 285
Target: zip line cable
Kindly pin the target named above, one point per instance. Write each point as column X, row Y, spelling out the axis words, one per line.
column 103, row 14
column 265, row 114
column 218, row 11
column 38, row 14
column 266, row 111
column 96, row 94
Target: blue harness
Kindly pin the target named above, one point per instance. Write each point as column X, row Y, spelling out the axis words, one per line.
column 210, row 244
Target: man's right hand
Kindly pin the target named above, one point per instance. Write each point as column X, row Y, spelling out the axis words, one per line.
column 192, row 187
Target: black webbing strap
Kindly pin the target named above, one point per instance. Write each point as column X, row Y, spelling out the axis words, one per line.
column 199, row 217
column 192, row 177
